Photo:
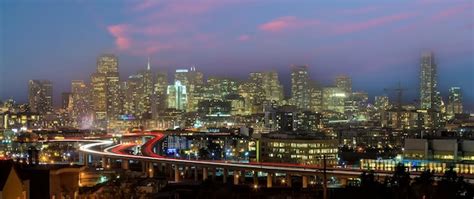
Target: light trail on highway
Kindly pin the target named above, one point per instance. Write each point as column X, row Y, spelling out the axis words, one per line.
column 266, row 167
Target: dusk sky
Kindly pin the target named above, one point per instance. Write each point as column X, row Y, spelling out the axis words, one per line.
column 377, row 43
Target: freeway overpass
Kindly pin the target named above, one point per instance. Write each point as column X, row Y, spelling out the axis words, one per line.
column 110, row 151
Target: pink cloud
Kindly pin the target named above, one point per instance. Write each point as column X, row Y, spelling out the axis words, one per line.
column 120, row 33
column 358, row 26
column 243, row 38
column 452, row 11
column 285, row 23
column 278, row 24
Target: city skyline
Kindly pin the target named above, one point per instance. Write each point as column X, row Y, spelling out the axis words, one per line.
column 240, row 51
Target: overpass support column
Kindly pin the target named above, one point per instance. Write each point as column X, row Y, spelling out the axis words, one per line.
column 196, row 174
column 204, row 174
column 255, row 178
column 288, row 180
column 176, row 173
column 224, row 175
column 85, row 159
column 236, row 177
column 305, row 182
column 169, row 167
column 242, row 176
column 104, row 162
column 144, row 167
column 343, row 182
column 214, row 173
column 269, row 180
column 125, row 164
column 151, row 170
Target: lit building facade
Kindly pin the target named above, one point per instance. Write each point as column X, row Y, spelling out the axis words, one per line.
column 40, row 96
column 300, row 85
column 344, row 83
column 160, row 89
column 177, row 96
column 308, row 149
column 454, row 101
column 269, row 84
column 106, row 90
column 428, row 82
column 81, row 111
column 334, row 99
column 193, row 80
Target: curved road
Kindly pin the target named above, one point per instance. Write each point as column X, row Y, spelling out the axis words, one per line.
column 117, row 151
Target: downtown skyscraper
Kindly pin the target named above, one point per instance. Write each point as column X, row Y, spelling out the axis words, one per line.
column 454, row 101
column 300, row 87
column 429, row 96
column 193, row 80
column 40, row 96
column 106, row 90
column 81, row 104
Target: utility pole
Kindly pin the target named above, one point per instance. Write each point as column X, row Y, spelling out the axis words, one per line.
column 325, row 180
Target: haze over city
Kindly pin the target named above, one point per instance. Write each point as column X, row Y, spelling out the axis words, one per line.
column 237, row 99
column 377, row 43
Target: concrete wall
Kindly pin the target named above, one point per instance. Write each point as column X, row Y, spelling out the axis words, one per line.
column 416, row 145
column 468, row 146
column 445, row 145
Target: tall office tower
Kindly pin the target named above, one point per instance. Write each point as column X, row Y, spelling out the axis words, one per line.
column 106, row 90
column 269, row 84
column 161, row 86
column 316, row 98
column 345, row 83
column 133, row 95
column 177, row 96
column 250, row 93
column 99, row 99
column 300, row 87
column 454, row 101
column 428, row 82
column 193, row 80
column 66, row 98
column 146, row 92
column 334, row 99
column 40, row 96
column 218, row 88
column 382, row 103
column 81, row 105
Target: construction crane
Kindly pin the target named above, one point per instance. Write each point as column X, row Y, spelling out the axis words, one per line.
column 399, row 91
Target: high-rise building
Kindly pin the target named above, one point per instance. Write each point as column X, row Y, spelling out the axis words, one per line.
column 106, row 90
column 316, row 98
column 66, row 98
column 144, row 106
column 177, row 96
column 428, row 82
column 382, row 103
column 454, row 101
column 334, row 99
column 218, row 88
column 133, row 95
column 300, row 96
column 269, row 85
column 161, row 86
column 250, row 93
column 344, row 83
column 40, row 96
column 193, row 81
column 81, row 112
column 99, row 98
